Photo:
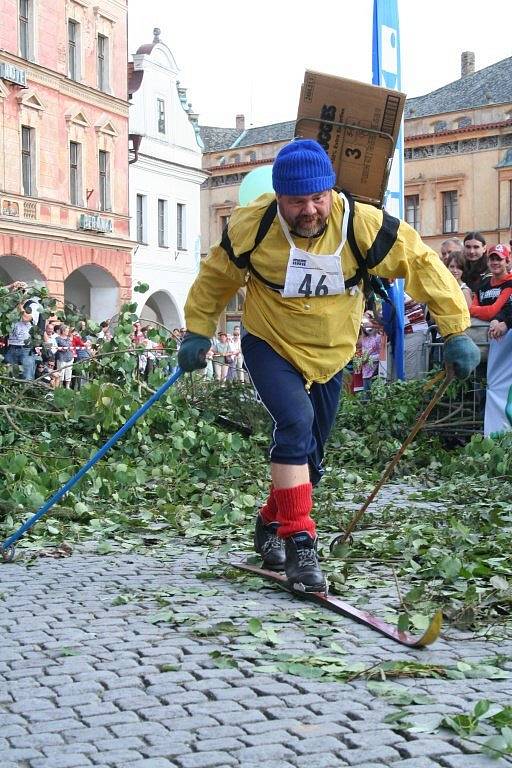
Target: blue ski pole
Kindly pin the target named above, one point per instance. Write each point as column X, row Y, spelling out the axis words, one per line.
column 7, row 548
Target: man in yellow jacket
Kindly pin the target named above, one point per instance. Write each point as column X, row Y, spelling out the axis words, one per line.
column 301, row 319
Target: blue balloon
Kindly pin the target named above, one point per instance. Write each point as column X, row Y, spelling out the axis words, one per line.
column 256, row 183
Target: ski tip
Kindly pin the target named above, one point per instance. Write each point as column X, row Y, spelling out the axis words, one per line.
column 432, row 632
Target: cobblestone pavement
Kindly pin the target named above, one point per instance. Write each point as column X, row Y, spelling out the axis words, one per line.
column 91, row 678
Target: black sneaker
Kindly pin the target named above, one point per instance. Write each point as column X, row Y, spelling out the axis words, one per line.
column 268, row 544
column 302, row 569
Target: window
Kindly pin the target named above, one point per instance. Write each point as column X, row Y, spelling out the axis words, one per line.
column 412, row 210
column 75, row 173
column 27, row 160
column 26, row 21
column 104, row 180
column 251, row 157
column 450, row 212
column 162, row 223
column 160, row 107
column 102, row 52
column 224, row 221
column 73, row 50
column 141, row 218
column 180, row 227
column 236, row 304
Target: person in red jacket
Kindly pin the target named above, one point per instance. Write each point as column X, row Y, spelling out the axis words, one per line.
column 493, row 299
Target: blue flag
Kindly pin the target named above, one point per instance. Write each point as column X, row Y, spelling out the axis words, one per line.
column 386, row 72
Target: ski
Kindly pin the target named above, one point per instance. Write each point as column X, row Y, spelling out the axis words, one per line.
column 333, row 603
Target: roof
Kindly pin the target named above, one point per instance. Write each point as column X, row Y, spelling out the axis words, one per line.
column 491, row 85
column 218, row 139
column 267, row 133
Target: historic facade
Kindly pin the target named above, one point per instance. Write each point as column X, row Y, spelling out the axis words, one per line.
column 165, row 182
column 63, row 154
column 458, row 156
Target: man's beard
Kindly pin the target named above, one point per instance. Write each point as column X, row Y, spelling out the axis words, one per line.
column 308, row 226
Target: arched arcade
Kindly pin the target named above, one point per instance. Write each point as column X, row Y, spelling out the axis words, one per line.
column 13, row 268
column 93, row 291
column 161, row 308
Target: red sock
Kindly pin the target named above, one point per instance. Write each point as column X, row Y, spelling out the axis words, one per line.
column 294, row 505
column 268, row 511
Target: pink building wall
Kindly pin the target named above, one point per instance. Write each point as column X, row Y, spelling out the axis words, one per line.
column 59, row 110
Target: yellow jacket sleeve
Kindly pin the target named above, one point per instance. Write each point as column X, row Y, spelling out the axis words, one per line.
column 217, row 282
column 427, row 280
column 220, row 278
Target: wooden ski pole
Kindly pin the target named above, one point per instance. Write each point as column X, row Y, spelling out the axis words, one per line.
column 342, row 537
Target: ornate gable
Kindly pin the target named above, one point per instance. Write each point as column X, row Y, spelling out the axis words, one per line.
column 29, row 98
column 78, row 117
column 106, row 126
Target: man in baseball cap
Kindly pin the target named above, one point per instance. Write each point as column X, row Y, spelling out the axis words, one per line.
column 493, row 298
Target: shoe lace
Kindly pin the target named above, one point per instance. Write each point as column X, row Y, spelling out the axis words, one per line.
column 273, row 542
column 306, row 556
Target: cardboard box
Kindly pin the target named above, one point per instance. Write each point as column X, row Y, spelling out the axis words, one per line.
column 358, row 126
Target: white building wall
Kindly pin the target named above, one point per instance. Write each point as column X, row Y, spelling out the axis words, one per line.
column 168, row 168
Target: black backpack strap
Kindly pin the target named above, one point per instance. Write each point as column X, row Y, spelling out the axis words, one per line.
column 265, row 224
column 384, row 241
column 361, row 272
column 244, row 260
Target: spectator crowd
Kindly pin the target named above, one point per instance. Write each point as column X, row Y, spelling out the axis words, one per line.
column 51, row 351
column 483, row 272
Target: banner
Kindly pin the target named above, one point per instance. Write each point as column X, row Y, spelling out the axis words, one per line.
column 386, row 68
column 498, row 403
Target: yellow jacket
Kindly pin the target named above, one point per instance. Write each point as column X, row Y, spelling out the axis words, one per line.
column 317, row 335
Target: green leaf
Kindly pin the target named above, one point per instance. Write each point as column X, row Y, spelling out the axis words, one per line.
column 69, row 652
column 420, row 621
column 403, row 622
column 499, row 583
column 503, row 718
column 480, row 708
column 223, row 660
column 254, row 626
column 496, row 746
column 397, row 694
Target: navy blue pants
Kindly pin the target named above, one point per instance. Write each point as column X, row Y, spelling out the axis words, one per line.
column 302, row 420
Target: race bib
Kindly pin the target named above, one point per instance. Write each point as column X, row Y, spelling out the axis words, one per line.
column 309, row 275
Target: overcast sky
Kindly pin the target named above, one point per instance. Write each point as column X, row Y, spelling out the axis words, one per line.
column 250, row 58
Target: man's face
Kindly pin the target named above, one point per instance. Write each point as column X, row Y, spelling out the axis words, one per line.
column 498, row 265
column 473, row 250
column 306, row 215
column 446, row 249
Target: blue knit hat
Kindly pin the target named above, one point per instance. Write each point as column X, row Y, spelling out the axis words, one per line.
column 302, row 167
